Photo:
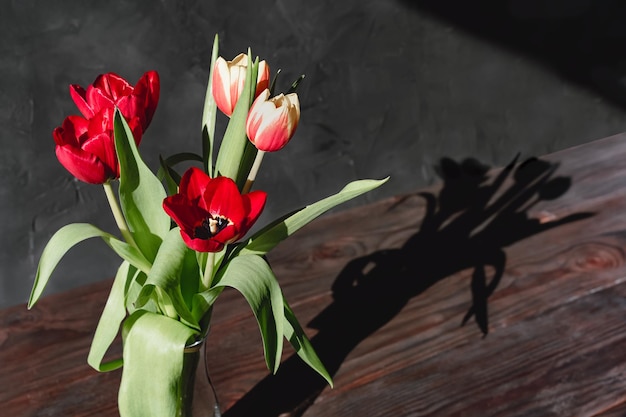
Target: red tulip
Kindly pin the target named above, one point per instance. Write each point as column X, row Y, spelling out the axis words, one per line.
column 211, row 212
column 111, row 90
column 272, row 121
column 229, row 78
column 86, row 147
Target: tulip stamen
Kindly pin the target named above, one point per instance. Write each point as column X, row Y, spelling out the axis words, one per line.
column 210, row 227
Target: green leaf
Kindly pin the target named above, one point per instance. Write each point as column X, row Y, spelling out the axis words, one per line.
column 132, row 290
column 256, row 272
column 235, row 157
column 209, row 114
column 153, row 364
column 302, row 345
column 267, row 238
column 141, row 193
column 110, row 321
column 295, row 84
column 166, row 172
column 180, row 157
column 254, row 279
column 273, row 84
column 66, row 238
column 203, row 301
column 165, row 278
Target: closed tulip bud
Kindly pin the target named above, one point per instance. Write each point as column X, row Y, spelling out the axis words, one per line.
column 229, row 78
column 272, row 121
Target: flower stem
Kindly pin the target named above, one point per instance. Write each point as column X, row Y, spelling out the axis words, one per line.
column 207, row 278
column 253, row 171
column 117, row 214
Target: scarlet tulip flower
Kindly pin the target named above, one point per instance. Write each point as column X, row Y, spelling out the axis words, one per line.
column 229, row 78
column 272, row 121
column 211, row 212
column 110, row 90
column 85, row 147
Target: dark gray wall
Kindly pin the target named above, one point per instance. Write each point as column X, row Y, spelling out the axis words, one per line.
column 391, row 87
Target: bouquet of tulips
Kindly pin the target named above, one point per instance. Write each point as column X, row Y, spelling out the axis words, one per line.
column 182, row 236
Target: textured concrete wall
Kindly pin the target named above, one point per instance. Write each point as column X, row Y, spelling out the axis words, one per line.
column 391, row 87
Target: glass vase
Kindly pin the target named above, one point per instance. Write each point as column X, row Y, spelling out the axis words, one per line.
column 197, row 394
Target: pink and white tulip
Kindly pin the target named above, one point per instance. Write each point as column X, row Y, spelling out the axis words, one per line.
column 272, row 121
column 229, row 78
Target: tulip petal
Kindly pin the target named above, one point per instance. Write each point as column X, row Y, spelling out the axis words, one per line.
column 223, row 199
column 272, row 126
column 263, row 78
column 202, row 245
column 148, row 90
column 79, row 96
column 237, row 82
column 103, row 148
column 101, row 122
column 221, row 87
column 135, row 126
column 192, row 185
column 130, row 106
column 254, row 203
column 186, row 214
column 71, row 132
column 82, row 165
column 98, row 100
column 113, row 86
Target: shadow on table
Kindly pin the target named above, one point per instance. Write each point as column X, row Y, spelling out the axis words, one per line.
column 467, row 225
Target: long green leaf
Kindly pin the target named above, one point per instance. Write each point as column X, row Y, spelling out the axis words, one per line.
column 166, row 171
column 166, row 276
column 141, row 193
column 110, row 321
column 153, row 363
column 254, row 279
column 302, row 345
column 177, row 158
column 169, row 175
column 132, row 290
column 209, row 113
column 230, row 159
column 66, row 238
column 267, row 238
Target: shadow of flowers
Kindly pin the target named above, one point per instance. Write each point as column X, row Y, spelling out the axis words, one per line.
column 468, row 224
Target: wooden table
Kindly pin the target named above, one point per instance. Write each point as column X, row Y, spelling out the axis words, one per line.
column 385, row 288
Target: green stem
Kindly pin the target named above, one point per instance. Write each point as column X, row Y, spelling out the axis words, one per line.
column 253, row 171
column 207, row 278
column 117, row 214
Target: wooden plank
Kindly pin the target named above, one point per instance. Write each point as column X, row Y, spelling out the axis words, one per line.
column 573, row 364
column 43, row 354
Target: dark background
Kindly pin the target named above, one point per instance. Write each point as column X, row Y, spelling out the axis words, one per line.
column 391, row 87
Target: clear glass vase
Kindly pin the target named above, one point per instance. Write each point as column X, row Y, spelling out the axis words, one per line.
column 197, row 394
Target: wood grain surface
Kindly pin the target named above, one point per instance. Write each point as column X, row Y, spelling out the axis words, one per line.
column 530, row 257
